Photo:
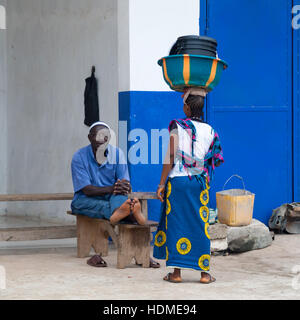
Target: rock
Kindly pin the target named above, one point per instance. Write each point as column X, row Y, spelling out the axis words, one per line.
column 292, row 226
column 218, row 237
column 218, row 245
column 217, row 231
column 251, row 237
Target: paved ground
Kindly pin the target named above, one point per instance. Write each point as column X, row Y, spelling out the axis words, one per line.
column 45, row 273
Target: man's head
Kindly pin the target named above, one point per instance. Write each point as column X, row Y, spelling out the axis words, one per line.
column 99, row 137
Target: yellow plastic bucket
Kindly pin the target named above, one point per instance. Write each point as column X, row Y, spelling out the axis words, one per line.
column 235, row 206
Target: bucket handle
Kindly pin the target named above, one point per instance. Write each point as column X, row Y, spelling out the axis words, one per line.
column 235, row 175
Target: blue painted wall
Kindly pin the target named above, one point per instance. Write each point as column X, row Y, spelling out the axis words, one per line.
column 255, row 109
column 147, row 110
column 252, row 106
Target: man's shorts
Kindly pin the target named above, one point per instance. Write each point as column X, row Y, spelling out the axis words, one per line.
column 101, row 207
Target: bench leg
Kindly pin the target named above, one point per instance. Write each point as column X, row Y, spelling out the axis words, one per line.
column 100, row 239
column 91, row 233
column 133, row 243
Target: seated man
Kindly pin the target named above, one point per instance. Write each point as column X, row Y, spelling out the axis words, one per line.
column 101, row 180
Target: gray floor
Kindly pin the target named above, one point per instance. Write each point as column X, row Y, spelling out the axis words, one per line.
column 49, row 269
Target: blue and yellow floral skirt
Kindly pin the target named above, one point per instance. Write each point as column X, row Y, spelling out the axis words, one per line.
column 182, row 237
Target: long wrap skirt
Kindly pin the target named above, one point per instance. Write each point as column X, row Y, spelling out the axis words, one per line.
column 182, row 238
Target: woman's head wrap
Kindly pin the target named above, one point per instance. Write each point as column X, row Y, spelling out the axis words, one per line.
column 195, row 92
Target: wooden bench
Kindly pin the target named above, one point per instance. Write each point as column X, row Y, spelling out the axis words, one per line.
column 131, row 241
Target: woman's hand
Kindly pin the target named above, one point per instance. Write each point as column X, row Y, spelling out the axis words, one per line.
column 218, row 164
column 160, row 193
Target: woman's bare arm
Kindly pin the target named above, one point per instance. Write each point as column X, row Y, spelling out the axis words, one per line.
column 168, row 164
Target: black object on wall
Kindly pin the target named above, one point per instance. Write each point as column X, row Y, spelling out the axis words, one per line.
column 91, row 103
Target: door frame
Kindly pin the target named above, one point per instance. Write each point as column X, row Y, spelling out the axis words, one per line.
column 296, row 110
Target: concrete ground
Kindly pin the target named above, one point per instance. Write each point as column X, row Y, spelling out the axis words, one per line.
column 50, row 270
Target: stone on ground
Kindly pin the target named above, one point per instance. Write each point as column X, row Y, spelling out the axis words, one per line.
column 251, row 237
column 218, row 237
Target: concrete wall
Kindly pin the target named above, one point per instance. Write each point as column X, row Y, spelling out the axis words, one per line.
column 52, row 45
column 3, row 96
column 123, row 46
column 3, row 15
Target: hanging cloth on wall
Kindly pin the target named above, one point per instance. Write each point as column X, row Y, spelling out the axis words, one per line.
column 91, row 102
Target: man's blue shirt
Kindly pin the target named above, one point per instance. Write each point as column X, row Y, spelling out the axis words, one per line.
column 86, row 170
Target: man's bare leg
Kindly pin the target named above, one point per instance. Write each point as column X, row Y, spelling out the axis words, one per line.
column 137, row 212
column 121, row 212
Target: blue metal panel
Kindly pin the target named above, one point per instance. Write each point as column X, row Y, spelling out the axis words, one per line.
column 148, row 110
column 252, row 106
column 296, row 108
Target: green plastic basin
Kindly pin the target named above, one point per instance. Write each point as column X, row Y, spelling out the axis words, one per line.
column 184, row 70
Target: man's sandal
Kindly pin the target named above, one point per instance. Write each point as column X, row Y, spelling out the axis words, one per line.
column 96, row 261
column 152, row 264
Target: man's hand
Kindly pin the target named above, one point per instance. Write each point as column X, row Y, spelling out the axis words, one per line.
column 122, row 187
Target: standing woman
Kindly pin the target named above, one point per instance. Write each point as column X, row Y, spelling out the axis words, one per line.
column 182, row 238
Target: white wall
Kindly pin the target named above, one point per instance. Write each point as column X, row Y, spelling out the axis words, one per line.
column 3, row 109
column 154, row 27
column 52, row 45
